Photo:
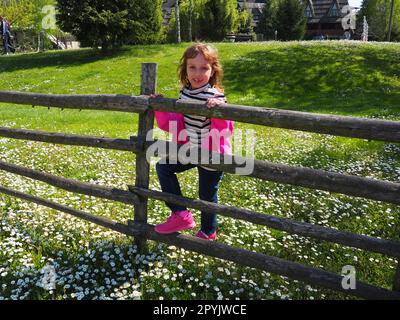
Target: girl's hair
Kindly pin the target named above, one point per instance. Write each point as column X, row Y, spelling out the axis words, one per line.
column 211, row 55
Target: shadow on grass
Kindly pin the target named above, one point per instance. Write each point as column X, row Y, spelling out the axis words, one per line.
column 326, row 79
column 70, row 58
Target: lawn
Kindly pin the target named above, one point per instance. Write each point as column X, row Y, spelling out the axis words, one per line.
column 345, row 78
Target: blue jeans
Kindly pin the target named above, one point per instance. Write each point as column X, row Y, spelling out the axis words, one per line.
column 208, row 189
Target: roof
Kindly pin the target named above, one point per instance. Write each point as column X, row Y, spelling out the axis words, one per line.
column 320, row 9
column 252, row 4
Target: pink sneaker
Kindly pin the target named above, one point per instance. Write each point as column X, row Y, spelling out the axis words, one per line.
column 202, row 235
column 177, row 221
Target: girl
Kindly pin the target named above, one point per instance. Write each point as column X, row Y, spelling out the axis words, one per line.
column 200, row 74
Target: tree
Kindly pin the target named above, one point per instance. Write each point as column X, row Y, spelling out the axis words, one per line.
column 391, row 19
column 219, row 18
column 17, row 13
column 190, row 19
column 267, row 24
column 377, row 13
column 178, row 23
column 244, row 20
column 290, row 20
column 189, row 16
column 24, row 14
column 111, row 23
column 30, row 17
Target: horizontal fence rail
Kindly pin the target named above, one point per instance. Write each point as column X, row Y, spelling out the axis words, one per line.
column 73, row 139
column 73, row 185
column 244, row 257
column 104, row 222
column 111, row 102
column 298, row 176
column 388, row 247
column 371, row 129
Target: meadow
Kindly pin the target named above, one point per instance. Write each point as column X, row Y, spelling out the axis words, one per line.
column 343, row 78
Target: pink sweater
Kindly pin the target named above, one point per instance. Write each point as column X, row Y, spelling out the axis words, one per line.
column 218, row 140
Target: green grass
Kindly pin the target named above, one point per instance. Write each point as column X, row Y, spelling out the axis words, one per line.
column 337, row 78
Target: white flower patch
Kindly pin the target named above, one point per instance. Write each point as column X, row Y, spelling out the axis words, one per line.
column 94, row 263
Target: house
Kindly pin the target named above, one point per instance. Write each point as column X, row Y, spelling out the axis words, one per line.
column 324, row 19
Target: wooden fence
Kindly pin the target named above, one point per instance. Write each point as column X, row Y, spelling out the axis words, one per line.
column 139, row 194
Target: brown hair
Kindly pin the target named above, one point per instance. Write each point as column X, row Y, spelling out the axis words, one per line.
column 211, row 55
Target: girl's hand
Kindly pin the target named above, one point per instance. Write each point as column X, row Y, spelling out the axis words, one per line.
column 156, row 95
column 213, row 102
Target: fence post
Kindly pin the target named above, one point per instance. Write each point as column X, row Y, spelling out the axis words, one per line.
column 146, row 123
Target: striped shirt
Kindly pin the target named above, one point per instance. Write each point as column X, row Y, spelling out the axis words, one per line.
column 198, row 127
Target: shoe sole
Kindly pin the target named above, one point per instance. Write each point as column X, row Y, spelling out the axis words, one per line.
column 208, row 238
column 191, row 226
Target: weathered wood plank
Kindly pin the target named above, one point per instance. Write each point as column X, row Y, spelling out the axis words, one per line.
column 72, row 139
column 106, row 102
column 72, row 185
column 298, row 176
column 388, row 247
column 371, row 129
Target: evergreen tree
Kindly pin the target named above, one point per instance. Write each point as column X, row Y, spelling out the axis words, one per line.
column 267, row 23
column 111, row 23
column 290, row 20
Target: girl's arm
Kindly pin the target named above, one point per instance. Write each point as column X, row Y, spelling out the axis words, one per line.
column 164, row 118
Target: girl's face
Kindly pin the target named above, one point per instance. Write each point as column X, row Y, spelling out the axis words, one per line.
column 199, row 71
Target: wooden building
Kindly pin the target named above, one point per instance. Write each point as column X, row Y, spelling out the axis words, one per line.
column 324, row 19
